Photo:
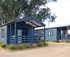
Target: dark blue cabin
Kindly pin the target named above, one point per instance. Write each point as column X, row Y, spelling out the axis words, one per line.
column 22, row 31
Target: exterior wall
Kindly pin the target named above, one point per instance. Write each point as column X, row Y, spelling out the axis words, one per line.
column 12, row 32
column 58, row 33
column 54, row 36
column 20, row 25
column 4, row 40
column 39, row 33
column 64, row 34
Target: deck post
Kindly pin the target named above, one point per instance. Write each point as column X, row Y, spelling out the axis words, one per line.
column 44, row 34
column 15, row 32
column 10, row 33
column 32, row 33
column 61, row 34
column 24, row 40
column 67, row 32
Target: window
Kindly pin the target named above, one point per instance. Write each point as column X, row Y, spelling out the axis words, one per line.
column 42, row 32
column 2, row 33
column 63, row 32
column 50, row 33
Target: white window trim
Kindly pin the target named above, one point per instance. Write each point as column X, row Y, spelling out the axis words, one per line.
column 51, row 33
column 2, row 36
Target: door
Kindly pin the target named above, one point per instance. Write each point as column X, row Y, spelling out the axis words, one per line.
column 19, row 33
column 22, row 32
column 25, row 33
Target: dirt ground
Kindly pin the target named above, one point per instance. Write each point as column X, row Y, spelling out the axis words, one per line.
column 53, row 50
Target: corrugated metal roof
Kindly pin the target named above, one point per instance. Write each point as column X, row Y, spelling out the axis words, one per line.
column 68, row 25
column 28, row 21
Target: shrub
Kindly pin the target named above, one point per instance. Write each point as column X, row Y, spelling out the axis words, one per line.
column 40, row 44
column 45, row 44
column 20, row 46
column 54, row 40
column 67, row 41
column 0, row 42
column 62, row 40
column 47, row 40
column 42, row 40
column 12, row 47
column 3, row 45
column 34, row 45
column 27, row 46
column 16, row 47
column 0, row 45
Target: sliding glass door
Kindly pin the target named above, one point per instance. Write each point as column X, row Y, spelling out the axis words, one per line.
column 19, row 33
column 22, row 32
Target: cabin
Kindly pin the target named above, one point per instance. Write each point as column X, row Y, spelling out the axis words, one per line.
column 57, row 32
column 21, row 31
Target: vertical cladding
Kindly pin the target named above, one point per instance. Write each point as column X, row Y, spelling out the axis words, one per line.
column 20, row 25
column 58, row 34
column 25, row 26
column 8, row 34
column 4, row 40
column 54, row 36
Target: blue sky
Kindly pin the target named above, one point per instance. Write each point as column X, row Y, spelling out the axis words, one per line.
column 62, row 9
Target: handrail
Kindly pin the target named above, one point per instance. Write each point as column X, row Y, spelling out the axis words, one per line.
column 32, row 39
column 28, row 36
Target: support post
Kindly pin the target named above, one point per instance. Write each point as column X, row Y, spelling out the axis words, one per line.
column 32, row 32
column 24, row 40
column 10, row 33
column 61, row 33
column 15, row 32
column 67, row 32
column 44, row 34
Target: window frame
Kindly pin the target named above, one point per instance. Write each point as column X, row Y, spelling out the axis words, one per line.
column 42, row 32
column 2, row 36
column 51, row 31
column 22, row 31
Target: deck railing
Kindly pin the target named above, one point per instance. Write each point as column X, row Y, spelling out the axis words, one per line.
column 63, row 37
column 26, row 39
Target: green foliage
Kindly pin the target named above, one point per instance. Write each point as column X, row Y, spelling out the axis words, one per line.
column 34, row 45
column 42, row 40
column 47, row 40
column 27, row 46
column 12, row 9
column 67, row 41
column 54, row 40
column 3, row 45
column 0, row 42
column 16, row 47
column 39, row 44
column 45, row 44
column 21, row 47
column 42, row 44
column 12, row 47
column 62, row 40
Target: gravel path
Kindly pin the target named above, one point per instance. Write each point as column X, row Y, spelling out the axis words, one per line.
column 53, row 50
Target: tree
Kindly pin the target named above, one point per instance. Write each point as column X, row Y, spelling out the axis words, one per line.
column 12, row 9
column 51, row 19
